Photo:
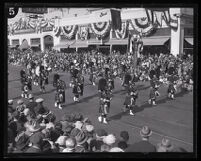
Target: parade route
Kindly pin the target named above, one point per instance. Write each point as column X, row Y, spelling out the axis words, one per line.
column 170, row 118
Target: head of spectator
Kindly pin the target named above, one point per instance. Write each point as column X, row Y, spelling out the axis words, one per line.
column 145, row 133
column 70, row 145
column 124, row 136
column 37, row 139
column 31, row 97
column 78, row 125
column 165, row 146
column 21, row 141
column 100, row 134
column 104, row 148
column 116, row 149
column 109, row 140
column 46, row 147
column 61, row 141
column 123, row 145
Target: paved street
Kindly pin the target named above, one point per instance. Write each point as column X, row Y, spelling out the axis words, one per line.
column 170, row 118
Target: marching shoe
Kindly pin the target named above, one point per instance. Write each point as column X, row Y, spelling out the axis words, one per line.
column 25, row 96
column 55, row 105
column 22, row 95
column 154, row 103
column 74, row 99
column 105, row 121
column 149, row 101
column 60, row 107
column 93, row 84
column 100, row 119
column 172, row 96
column 131, row 113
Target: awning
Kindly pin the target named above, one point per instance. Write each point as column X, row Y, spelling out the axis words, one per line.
column 79, row 44
column 155, row 41
column 61, row 45
column 35, row 45
column 24, row 45
column 12, row 46
column 117, row 42
column 189, row 40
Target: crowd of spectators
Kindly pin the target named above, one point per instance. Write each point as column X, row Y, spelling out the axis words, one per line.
column 32, row 127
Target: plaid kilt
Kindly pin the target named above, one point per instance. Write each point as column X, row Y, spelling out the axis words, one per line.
column 104, row 110
column 60, row 97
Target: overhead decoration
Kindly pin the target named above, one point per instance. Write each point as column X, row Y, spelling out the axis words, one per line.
column 83, row 32
column 143, row 26
column 123, row 33
column 57, row 31
column 32, row 23
column 100, row 29
column 157, row 15
column 70, row 31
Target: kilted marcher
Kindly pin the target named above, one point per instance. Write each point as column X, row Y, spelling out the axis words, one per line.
column 104, row 107
column 76, row 89
column 102, row 84
column 55, row 78
column 153, row 94
column 60, row 93
column 171, row 90
column 24, row 82
column 43, row 78
column 130, row 100
column 81, row 82
column 127, row 78
column 92, row 76
column 37, row 74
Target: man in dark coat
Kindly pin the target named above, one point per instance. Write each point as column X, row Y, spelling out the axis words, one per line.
column 31, row 104
column 102, row 84
column 144, row 145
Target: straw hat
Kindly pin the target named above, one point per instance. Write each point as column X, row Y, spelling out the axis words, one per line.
column 38, row 100
column 145, row 131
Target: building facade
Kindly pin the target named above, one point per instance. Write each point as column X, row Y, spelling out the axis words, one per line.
column 81, row 27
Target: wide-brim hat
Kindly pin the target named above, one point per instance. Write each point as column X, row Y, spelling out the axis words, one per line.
column 38, row 100
column 10, row 102
column 19, row 102
column 81, row 137
column 31, row 96
column 32, row 128
column 145, row 131
column 166, row 143
column 110, row 139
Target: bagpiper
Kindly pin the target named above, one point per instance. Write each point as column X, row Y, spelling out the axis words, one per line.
column 104, row 107
column 76, row 89
column 60, row 93
column 153, row 94
column 130, row 100
column 24, row 82
column 81, row 82
column 171, row 90
column 43, row 78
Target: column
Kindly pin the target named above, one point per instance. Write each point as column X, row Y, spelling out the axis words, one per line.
column 42, row 47
column 177, row 39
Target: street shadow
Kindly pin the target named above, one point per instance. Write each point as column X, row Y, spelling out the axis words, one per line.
column 18, row 79
column 145, row 105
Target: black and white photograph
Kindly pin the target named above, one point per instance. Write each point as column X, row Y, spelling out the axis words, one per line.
column 100, row 80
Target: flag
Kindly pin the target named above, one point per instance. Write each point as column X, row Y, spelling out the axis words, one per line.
column 116, row 19
column 129, row 42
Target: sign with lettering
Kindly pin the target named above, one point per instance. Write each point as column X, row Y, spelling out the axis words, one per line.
column 35, row 10
column 48, row 28
column 35, row 41
column 24, row 31
column 103, row 15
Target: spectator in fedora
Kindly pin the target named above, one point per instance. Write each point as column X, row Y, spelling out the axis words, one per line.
column 70, row 145
column 95, row 144
column 31, row 104
column 144, row 145
column 165, row 146
column 36, row 141
column 81, row 140
column 61, row 141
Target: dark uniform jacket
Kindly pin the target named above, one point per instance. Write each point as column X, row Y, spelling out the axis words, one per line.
column 142, row 146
